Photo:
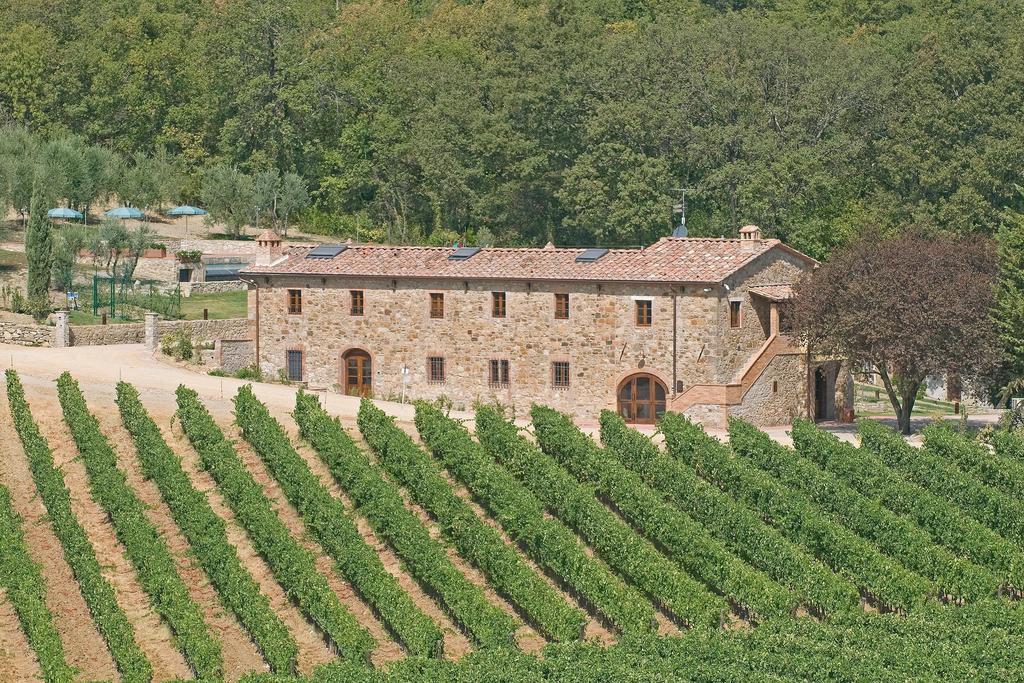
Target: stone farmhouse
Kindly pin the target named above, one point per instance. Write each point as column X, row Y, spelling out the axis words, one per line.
column 692, row 325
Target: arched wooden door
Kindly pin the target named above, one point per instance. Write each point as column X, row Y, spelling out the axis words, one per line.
column 357, row 369
column 641, row 399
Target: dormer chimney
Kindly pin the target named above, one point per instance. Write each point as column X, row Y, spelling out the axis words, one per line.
column 750, row 232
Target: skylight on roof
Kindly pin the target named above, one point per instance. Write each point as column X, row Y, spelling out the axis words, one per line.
column 591, row 255
column 463, row 253
column 326, row 251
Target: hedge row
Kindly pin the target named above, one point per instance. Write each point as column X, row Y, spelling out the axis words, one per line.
column 111, row 621
column 20, row 578
column 293, row 566
column 206, row 534
column 976, row 642
column 995, row 469
column 895, row 535
column 625, row 551
column 522, row 515
column 481, row 545
column 146, row 550
column 685, row 540
column 726, row 520
column 793, row 514
column 1008, row 445
column 947, row 465
column 329, row 523
column 866, row 473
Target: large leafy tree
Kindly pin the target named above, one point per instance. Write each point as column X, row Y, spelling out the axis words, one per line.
column 904, row 308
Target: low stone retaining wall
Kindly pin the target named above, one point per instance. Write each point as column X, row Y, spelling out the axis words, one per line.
column 234, row 330
column 102, row 335
column 232, row 355
column 192, row 288
column 26, row 334
column 207, row 330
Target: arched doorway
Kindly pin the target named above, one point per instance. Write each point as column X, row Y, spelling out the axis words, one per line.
column 357, row 372
column 641, row 398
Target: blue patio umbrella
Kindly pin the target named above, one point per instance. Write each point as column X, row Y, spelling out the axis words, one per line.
column 124, row 212
column 64, row 212
column 186, row 211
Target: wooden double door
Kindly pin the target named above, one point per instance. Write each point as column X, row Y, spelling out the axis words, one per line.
column 641, row 399
column 357, row 372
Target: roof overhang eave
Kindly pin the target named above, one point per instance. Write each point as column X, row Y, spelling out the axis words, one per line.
column 478, row 278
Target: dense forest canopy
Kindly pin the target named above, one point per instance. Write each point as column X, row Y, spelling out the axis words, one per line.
column 520, row 121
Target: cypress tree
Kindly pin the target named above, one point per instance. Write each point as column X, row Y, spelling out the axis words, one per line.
column 39, row 253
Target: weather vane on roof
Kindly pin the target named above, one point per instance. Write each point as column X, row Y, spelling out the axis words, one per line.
column 680, row 208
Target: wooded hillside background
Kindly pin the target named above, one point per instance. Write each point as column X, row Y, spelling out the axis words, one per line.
column 572, row 120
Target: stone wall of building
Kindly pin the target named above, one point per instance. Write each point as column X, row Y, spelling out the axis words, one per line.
column 600, row 340
column 26, row 334
column 738, row 344
column 778, row 395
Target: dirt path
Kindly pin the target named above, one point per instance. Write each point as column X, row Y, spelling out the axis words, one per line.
column 239, row 652
column 152, row 635
column 83, row 644
column 17, row 660
column 312, row 650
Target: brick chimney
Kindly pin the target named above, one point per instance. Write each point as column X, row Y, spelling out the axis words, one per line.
column 269, row 247
column 750, row 232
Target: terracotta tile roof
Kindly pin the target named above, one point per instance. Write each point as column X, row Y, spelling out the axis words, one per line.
column 773, row 292
column 671, row 259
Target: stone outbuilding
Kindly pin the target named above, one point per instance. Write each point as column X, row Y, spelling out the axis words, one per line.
column 693, row 325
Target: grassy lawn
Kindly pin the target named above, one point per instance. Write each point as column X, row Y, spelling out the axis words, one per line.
column 220, row 306
column 867, row 403
column 224, row 305
column 11, row 261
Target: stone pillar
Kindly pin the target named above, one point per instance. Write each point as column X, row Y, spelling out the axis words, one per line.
column 152, row 337
column 61, row 330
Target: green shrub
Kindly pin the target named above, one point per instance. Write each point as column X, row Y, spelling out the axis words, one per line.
column 293, row 566
column 23, row 584
column 380, row 500
column 635, row 460
column 111, row 621
column 549, row 541
column 682, row 538
column 795, row 516
column 327, row 520
column 145, row 548
column 629, row 554
column 206, row 534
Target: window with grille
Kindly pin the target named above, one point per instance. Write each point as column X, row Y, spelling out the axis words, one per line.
column 435, row 369
column 436, row 305
column 497, row 304
column 356, row 298
column 294, row 301
column 560, row 373
column 734, row 313
column 644, row 312
column 561, row 306
column 294, row 366
column 498, row 374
